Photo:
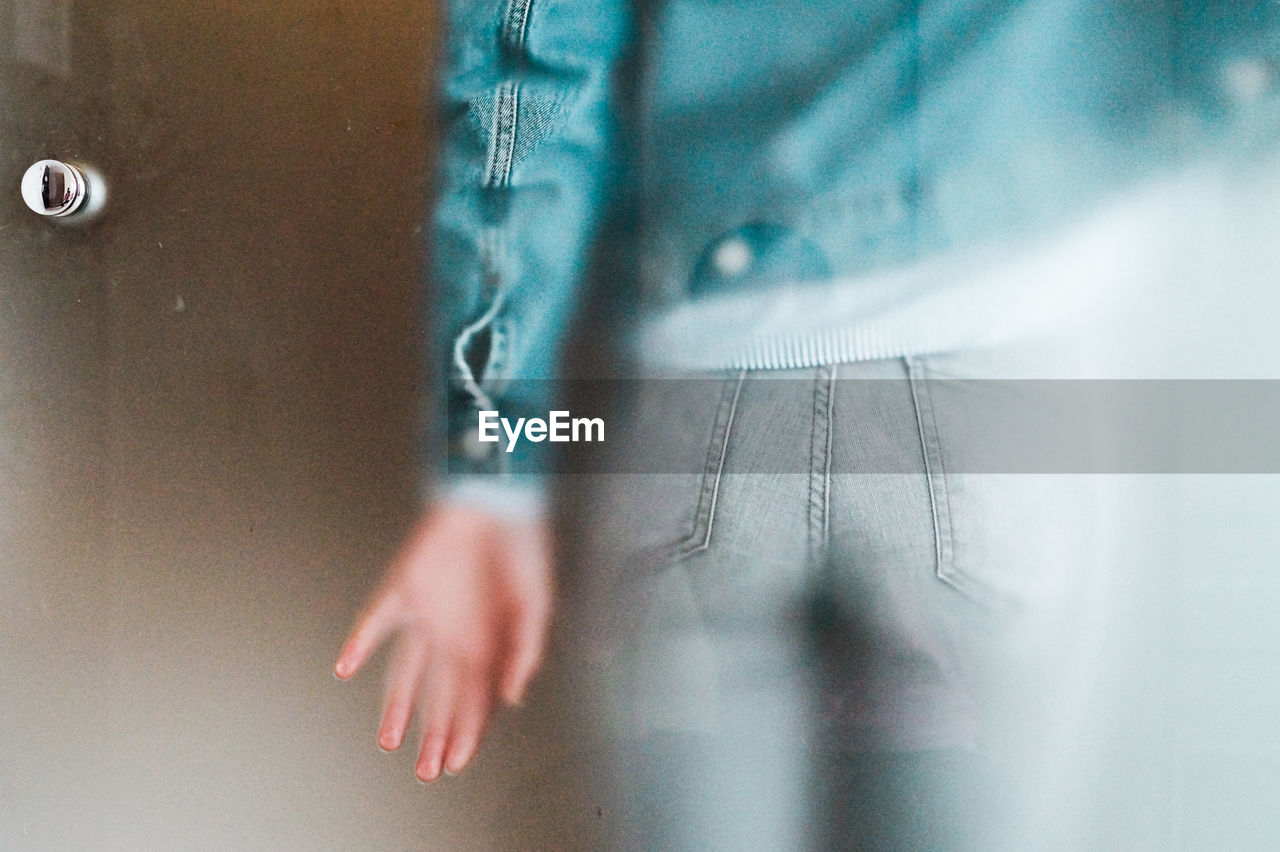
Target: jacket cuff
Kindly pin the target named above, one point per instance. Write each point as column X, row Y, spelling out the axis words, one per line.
column 511, row 496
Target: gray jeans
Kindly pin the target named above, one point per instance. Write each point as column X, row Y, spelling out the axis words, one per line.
column 804, row 630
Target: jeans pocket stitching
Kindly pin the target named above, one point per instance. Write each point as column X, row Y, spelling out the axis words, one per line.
column 940, row 494
column 935, row 476
column 699, row 538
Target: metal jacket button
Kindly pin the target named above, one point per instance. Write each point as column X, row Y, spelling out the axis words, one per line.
column 755, row 255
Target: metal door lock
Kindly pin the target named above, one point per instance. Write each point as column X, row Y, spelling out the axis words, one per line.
column 57, row 189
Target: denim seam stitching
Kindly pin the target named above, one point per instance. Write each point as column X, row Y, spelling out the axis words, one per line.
column 516, row 23
column 503, row 145
column 944, row 528
column 819, row 468
column 946, row 556
column 826, row 468
column 934, row 478
column 713, row 470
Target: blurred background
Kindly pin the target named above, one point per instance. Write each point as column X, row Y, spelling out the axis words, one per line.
column 208, row 408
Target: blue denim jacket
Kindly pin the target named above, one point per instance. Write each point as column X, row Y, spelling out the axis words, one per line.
column 769, row 145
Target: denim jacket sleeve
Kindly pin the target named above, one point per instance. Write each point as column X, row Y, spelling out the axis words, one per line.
column 526, row 120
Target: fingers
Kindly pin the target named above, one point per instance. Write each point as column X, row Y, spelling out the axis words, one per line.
column 402, row 690
column 526, row 643
column 437, row 716
column 454, row 697
column 470, row 603
column 528, row 615
column 367, row 635
column 471, row 716
column 457, row 705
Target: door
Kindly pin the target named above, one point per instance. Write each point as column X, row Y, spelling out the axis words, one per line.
column 207, row 409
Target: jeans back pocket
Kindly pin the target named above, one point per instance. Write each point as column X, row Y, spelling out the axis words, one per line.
column 1013, row 528
column 657, row 500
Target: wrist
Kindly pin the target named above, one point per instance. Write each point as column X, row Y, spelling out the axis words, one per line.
column 510, row 497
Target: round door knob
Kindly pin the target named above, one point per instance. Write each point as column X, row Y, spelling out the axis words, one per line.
column 54, row 188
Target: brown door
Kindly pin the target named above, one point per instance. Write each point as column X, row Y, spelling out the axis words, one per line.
column 207, row 407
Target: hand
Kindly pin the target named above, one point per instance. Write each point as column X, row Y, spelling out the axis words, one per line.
column 469, row 597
